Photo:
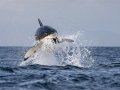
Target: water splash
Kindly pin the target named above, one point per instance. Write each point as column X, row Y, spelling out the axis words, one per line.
column 74, row 53
column 63, row 53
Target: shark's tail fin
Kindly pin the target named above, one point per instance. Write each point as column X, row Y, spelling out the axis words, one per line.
column 40, row 23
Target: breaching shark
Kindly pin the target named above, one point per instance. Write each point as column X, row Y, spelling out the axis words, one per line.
column 44, row 32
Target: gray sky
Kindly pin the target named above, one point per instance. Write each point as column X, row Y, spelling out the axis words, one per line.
column 99, row 19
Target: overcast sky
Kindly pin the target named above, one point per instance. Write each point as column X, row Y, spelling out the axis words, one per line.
column 99, row 19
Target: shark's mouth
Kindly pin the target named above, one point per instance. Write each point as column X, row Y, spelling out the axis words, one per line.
column 52, row 37
column 52, row 40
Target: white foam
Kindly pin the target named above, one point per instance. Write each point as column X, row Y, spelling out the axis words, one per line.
column 63, row 53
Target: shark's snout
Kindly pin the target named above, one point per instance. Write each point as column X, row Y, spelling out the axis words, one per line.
column 45, row 32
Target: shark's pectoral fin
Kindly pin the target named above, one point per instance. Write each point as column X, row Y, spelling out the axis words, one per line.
column 31, row 51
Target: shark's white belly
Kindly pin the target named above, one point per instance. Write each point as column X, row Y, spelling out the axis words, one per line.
column 48, row 45
column 44, row 56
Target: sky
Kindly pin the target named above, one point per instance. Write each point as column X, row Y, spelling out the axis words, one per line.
column 98, row 19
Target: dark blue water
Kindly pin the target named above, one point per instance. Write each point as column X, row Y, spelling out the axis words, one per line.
column 104, row 74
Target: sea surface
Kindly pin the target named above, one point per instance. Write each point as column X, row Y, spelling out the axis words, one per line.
column 103, row 74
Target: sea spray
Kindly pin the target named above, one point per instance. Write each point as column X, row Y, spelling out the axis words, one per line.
column 63, row 53
column 74, row 53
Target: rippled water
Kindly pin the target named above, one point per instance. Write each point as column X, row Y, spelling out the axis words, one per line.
column 104, row 74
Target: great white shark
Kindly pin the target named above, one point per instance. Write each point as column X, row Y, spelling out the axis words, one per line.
column 44, row 32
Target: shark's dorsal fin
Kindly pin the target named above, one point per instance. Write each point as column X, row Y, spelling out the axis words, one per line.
column 40, row 23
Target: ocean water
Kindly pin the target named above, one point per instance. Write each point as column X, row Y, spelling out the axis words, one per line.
column 102, row 74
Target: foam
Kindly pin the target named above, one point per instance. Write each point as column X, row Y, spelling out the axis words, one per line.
column 62, row 54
